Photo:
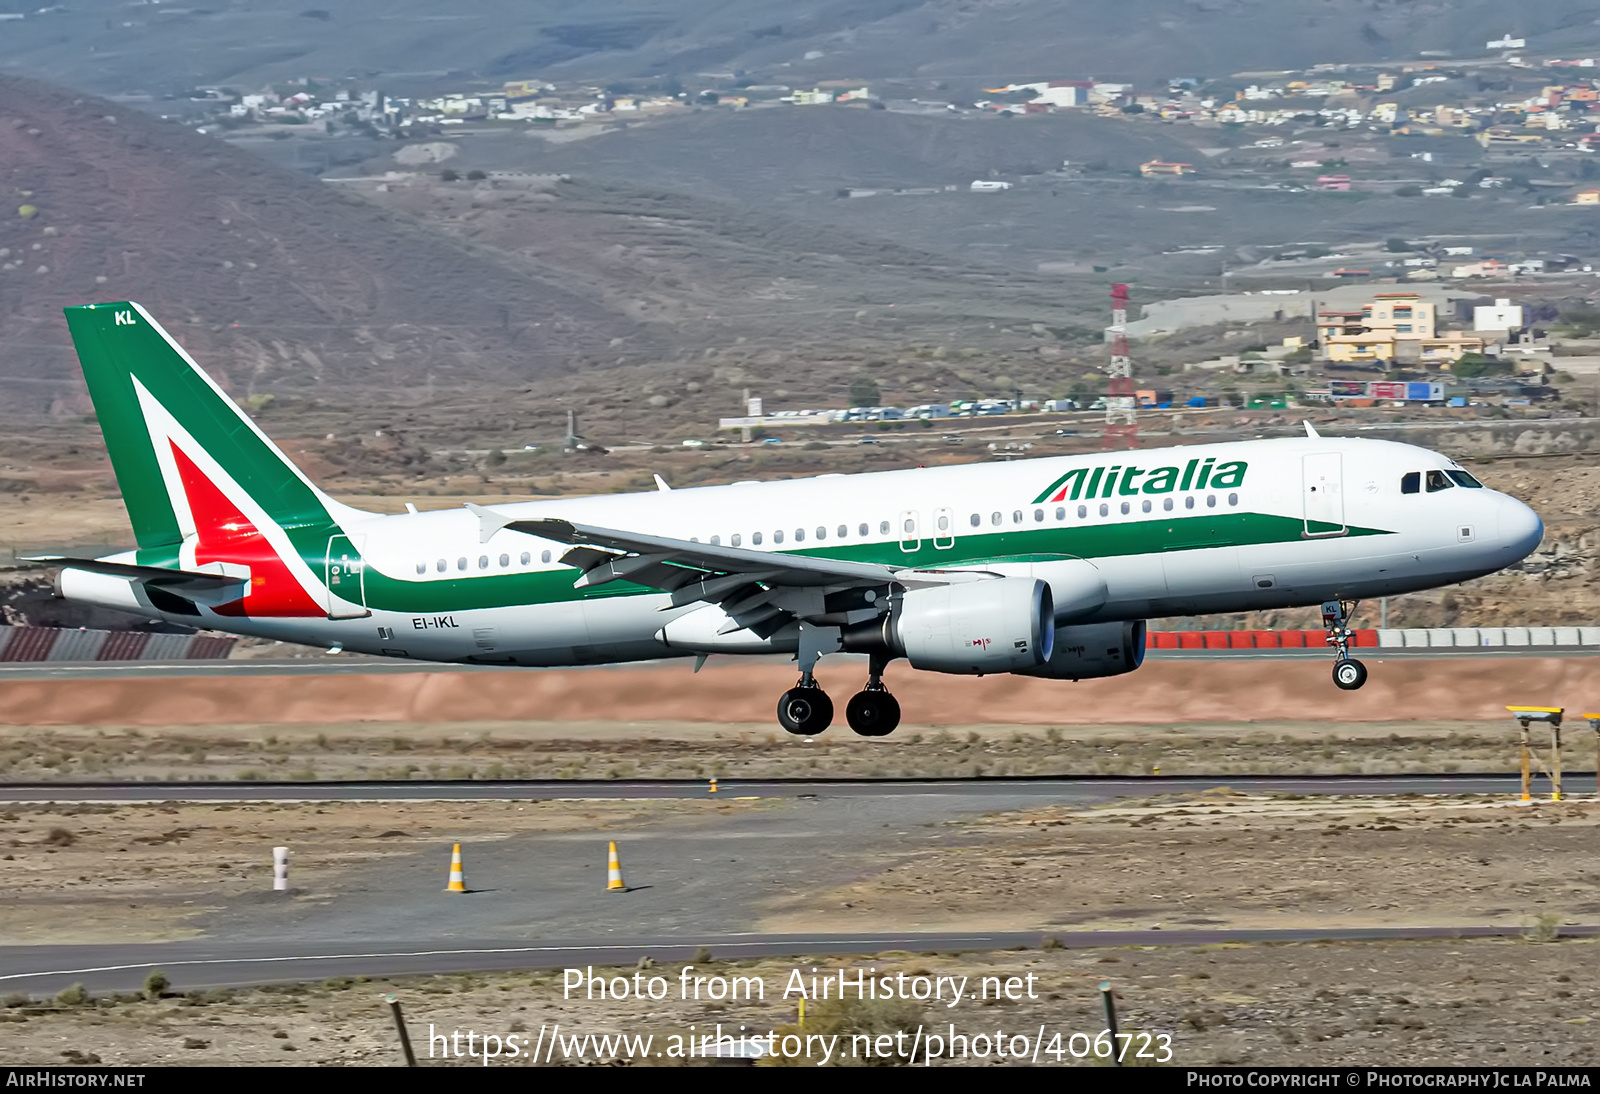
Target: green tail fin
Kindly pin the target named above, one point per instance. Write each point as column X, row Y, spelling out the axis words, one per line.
column 153, row 402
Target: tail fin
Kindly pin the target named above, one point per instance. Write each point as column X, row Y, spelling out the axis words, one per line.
column 177, row 442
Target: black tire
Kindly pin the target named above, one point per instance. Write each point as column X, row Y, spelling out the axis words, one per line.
column 805, row 711
column 1349, row 674
column 873, row 713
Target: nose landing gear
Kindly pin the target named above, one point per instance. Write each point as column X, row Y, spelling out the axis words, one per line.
column 1348, row 673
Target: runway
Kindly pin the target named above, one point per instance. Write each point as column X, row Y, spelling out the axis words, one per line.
column 359, row 665
column 191, row 966
column 1079, row 790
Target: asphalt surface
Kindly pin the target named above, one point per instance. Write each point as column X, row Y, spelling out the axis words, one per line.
column 190, row 966
column 538, row 899
column 345, row 664
column 1071, row 791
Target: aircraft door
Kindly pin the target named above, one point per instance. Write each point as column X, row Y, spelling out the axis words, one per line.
column 345, row 576
column 1323, row 493
column 944, row 529
column 910, row 533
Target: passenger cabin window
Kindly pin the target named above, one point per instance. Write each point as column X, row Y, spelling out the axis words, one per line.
column 1125, row 508
column 1438, row 480
column 822, row 533
column 1016, row 517
column 1083, row 511
column 799, row 535
column 526, row 558
column 734, row 539
column 844, row 530
column 883, row 527
column 1188, row 502
column 1104, row 509
column 866, row 529
column 976, row 520
column 441, row 565
column 1145, row 505
column 422, row 567
column 994, row 519
column 1166, row 503
column 461, row 563
column 755, row 538
column 777, row 537
column 1463, row 479
column 1411, row 482
column 1038, row 516
column 505, row 560
column 716, row 541
column 483, row 562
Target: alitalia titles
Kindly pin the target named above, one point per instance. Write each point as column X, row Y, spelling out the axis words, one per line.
column 1127, row 479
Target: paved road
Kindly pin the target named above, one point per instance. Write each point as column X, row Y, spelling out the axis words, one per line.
column 45, row 970
column 538, row 897
column 1087, row 789
column 346, row 664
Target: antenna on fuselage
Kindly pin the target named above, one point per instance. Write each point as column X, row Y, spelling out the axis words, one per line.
column 1311, row 430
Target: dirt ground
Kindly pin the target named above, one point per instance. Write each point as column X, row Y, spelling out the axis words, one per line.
column 687, row 750
column 1456, row 1003
column 1218, row 859
column 744, row 692
column 91, row 873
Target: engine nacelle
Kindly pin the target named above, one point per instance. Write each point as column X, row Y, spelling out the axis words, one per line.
column 998, row 624
column 1096, row 649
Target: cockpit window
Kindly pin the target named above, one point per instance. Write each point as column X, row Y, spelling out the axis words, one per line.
column 1438, row 480
column 1411, row 482
column 1464, row 479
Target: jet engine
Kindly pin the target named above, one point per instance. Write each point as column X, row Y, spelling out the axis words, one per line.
column 1003, row 624
column 1096, row 649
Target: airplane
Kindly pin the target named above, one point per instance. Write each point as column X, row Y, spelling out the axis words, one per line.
column 1044, row 567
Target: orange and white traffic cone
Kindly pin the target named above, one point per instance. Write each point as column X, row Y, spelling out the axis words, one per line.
column 614, row 882
column 458, row 882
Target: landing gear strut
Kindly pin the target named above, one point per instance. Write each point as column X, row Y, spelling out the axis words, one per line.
column 872, row 711
column 1348, row 673
column 805, row 709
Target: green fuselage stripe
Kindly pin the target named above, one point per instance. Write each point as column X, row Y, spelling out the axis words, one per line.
column 384, row 593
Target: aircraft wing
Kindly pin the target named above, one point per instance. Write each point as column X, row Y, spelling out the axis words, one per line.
column 204, row 588
column 758, row 589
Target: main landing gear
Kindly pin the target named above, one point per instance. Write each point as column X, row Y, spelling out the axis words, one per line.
column 805, row 709
column 1348, row 673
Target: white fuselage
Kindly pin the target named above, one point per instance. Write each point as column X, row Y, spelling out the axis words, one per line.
column 1305, row 521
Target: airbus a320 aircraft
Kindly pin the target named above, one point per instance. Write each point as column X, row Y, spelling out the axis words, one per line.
column 1044, row 567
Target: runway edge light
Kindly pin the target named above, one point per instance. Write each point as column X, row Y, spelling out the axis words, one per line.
column 458, row 881
column 614, row 882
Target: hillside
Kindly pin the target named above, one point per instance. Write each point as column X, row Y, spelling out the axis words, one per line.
column 275, row 281
column 115, row 47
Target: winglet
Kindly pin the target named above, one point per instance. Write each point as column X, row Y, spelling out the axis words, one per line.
column 1311, row 430
column 661, row 485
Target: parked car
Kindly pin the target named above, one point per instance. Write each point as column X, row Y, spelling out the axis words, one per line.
column 692, row 443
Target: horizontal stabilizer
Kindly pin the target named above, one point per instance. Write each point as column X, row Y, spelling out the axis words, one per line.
column 213, row 589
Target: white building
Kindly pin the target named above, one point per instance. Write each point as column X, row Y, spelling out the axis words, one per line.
column 1504, row 315
column 985, row 186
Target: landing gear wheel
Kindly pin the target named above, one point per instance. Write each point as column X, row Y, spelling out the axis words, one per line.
column 805, row 711
column 1349, row 674
column 872, row 713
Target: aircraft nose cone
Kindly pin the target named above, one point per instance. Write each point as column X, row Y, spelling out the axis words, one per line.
column 1520, row 529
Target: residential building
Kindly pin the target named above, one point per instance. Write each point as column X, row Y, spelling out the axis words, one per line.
column 1398, row 326
column 1489, row 267
column 1333, row 182
column 1586, row 197
column 1157, row 167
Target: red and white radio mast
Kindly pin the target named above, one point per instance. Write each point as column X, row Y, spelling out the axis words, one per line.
column 1122, row 430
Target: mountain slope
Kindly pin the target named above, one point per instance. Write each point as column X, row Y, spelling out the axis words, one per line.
column 275, row 281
